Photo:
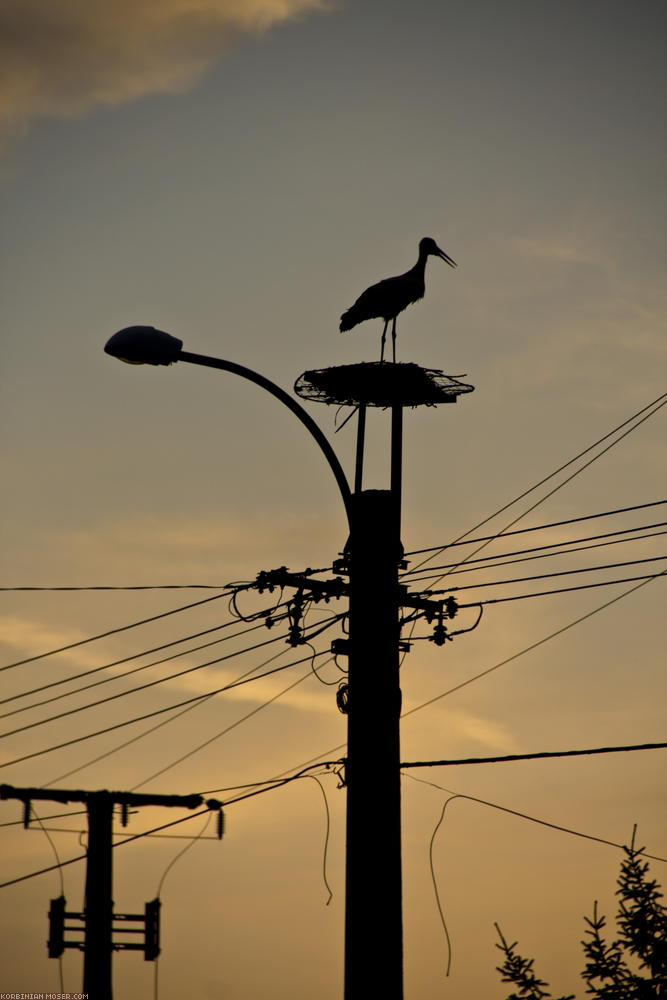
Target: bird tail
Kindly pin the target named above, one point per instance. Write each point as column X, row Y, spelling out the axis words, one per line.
column 349, row 319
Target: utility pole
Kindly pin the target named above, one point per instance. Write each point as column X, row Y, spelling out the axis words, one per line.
column 373, row 880
column 98, row 916
column 98, row 902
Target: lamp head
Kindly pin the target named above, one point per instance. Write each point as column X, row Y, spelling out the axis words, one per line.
column 144, row 345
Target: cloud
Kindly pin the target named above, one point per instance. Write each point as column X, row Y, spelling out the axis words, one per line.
column 67, row 57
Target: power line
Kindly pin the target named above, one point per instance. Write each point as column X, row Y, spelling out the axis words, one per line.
column 502, row 663
column 146, row 652
column 115, row 631
column 661, row 400
column 160, row 586
column 82, row 857
column 544, row 755
column 561, row 590
column 20, row 822
column 128, row 673
column 538, row 527
column 546, row 576
column 164, row 722
column 223, row 732
column 140, row 687
column 521, row 815
column 504, row 558
column 148, row 715
column 533, row 645
column 157, row 829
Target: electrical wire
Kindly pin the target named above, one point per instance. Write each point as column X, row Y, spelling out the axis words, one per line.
column 159, row 586
column 543, row 755
column 456, row 795
column 164, row 722
column 140, row 718
column 19, row 822
column 164, row 826
column 180, row 854
column 660, row 401
column 435, row 885
column 141, row 687
column 531, row 819
column 160, row 680
column 127, row 673
column 171, row 864
column 326, row 837
column 547, row 576
column 128, row 659
column 223, row 732
column 538, row 527
column 502, row 663
column 62, row 884
column 115, row 631
column 562, row 590
column 503, row 558
column 533, row 645
column 159, row 725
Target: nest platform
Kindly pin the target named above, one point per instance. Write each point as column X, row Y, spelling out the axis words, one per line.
column 380, row 383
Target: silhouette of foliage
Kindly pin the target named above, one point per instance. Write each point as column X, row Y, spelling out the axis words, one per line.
column 631, row 967
column 519, row 971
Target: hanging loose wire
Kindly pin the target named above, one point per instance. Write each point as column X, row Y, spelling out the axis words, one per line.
column 326, row 837
column 435, row 884
column 62, row 882
column 159, row 890
column 527, row 816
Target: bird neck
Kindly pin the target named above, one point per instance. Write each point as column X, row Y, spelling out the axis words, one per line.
column 420, row 267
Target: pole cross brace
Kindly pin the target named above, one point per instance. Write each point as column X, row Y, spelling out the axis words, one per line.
column 317, row 590
column 431, row 609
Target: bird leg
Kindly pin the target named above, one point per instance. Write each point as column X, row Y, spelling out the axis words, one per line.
column 384, row 337
column 393, row 338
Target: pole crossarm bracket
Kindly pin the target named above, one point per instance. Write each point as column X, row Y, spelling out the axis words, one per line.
column 445, row 608
column 123, row 799
column 315, row 590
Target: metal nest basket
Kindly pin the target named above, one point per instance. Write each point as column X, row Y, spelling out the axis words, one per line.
column 380, row 383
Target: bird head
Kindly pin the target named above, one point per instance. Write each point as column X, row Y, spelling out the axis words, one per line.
column 429, row 246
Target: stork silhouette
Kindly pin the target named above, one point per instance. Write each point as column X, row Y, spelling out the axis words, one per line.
column 390, row 297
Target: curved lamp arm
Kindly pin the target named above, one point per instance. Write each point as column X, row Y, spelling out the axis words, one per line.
column 144, row 345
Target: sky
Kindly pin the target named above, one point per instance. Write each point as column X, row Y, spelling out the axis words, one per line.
column 236, row 172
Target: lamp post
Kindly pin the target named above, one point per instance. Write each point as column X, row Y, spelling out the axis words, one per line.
column 373, row 906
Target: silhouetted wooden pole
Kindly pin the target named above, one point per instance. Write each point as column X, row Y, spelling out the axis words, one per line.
column 373, row 910
column 98, row 904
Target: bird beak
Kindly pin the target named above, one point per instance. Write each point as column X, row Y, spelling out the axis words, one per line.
column 445, row 257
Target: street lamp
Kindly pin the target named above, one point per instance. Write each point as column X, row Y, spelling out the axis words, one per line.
column 372, row 558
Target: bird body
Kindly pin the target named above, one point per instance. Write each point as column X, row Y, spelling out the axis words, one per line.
column 391, row 296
